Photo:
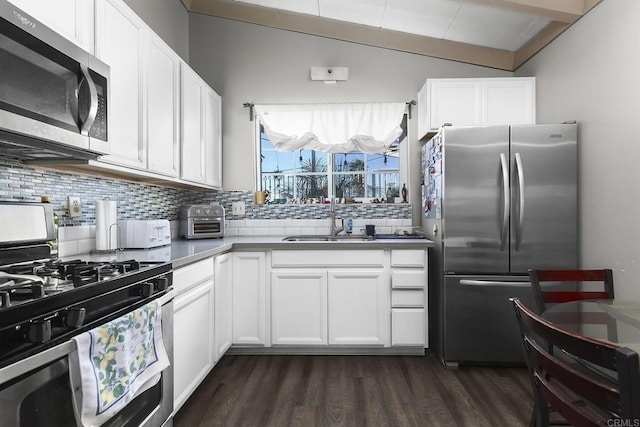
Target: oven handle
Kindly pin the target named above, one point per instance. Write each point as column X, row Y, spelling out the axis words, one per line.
column 37, row 360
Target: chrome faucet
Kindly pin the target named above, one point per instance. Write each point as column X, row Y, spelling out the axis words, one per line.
column 335, row 230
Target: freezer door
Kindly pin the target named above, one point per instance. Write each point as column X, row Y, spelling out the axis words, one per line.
column 479, row 322
column 475, row 199
column 544, row 221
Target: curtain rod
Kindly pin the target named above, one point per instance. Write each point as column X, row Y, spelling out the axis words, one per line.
column 251, row 105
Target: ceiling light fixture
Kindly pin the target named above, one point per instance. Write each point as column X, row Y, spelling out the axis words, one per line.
column 330, row 75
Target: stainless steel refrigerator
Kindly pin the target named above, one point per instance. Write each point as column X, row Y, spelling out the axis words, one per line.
column 498, row 201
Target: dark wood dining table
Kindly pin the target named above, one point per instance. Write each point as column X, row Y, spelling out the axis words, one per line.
column 617, row 321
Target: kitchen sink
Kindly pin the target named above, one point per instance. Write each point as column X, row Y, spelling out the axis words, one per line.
column 313, row 238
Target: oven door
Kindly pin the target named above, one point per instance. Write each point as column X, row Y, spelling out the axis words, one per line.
column 40, row 395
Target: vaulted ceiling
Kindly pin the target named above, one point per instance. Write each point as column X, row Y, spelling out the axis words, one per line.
column 501, row 34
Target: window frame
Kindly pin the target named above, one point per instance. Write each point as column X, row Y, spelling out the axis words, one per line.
column 330, row 173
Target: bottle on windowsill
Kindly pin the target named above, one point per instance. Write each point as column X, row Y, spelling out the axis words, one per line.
column 53, row 244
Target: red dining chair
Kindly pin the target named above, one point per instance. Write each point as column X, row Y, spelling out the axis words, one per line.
column 543, row 295
column 583, row 397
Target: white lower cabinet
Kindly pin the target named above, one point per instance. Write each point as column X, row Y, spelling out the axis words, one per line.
column 223, row 302
column 358, row 307
column 193, row 328
column 298, row 307
column 409, row 297
column 249, row 299
column 330, row 297
column 407, row 326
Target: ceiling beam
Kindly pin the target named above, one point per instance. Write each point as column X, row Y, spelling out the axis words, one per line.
column 356, row 33
column 538, row 42
column 546, row 36
column 567, row 11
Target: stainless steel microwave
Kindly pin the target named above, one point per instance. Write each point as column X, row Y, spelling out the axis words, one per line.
column 54, row 96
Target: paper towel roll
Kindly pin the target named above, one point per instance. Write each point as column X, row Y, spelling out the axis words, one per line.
column 106, row 217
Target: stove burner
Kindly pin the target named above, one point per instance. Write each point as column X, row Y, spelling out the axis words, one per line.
column 53, row 277
column 18, row 290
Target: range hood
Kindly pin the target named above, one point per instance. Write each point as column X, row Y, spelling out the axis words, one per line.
column 28, row 148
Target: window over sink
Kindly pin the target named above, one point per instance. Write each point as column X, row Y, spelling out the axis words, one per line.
column 310, row 174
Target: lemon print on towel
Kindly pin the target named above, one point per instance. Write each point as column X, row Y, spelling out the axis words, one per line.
column 122, row 349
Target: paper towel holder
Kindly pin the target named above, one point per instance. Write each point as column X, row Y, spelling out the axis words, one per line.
column 110, row 247
column 116, row 249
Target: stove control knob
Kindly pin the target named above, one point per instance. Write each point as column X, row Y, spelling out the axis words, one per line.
column 162, row 283
column 74, row 317
column 39, row 331
column 146, row 290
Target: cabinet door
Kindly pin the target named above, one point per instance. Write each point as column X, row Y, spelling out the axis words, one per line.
column 162, row 108
column 408, row 327
column 193, row 340
column 358, row 307
column 120, row 40
column 455, row 101
column 213, row 138
column 249, row 298
column 508, row 101
column 193, row 152
column 423, row 109
column 72, row 19
column 223, row 300
column 298, row 307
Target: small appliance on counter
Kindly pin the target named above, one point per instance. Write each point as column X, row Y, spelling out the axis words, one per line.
column 201, row 221
column 144, row 234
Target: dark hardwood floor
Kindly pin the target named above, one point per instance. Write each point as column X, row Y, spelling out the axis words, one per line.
column 294, row 390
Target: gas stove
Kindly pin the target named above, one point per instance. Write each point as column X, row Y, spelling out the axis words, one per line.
column 44, row 302
column 23, row 283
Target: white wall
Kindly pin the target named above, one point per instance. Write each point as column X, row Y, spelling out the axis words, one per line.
column 591, row 74
column 250, row 63
column 167, row 18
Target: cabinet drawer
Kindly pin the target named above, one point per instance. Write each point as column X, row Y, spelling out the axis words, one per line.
column 407, row 298
column 327, row 258
column 408, row 258
column 407, row 326
column 408, row 279
column 189, row 275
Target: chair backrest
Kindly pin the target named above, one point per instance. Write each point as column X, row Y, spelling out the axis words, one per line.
column 543, row 296
column 581, row 395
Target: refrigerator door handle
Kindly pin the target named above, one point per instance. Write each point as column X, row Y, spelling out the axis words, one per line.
column 507, row 202
column 466, row 282
column 520, row 172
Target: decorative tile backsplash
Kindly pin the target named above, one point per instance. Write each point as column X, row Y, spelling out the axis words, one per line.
column 135, row 200
column 146, row 201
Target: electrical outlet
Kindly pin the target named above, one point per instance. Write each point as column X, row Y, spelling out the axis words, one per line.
column 75, row 208
column 237, row 208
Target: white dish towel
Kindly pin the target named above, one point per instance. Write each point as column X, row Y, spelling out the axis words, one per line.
column 116, row 362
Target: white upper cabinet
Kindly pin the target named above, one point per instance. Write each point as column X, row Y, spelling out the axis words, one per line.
column 455, row 101
column 164, row 120
column 475, row 102
column 120, row 42
column 508, row 101
column 192, row 126
column 162, row 107
column 213, row 138
column 201, row 136
column 72, row 19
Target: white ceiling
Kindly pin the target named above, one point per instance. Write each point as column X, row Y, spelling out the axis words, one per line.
column 475, row 24
column 496, row 33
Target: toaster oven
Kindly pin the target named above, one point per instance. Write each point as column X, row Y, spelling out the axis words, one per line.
column 201, row 221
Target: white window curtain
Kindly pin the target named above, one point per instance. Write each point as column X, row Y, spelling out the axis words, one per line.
column 332, row 128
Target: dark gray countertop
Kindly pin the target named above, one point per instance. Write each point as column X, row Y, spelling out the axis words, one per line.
column 182, row 252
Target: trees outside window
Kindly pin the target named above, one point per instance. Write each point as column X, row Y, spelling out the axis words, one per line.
column 309, row 174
